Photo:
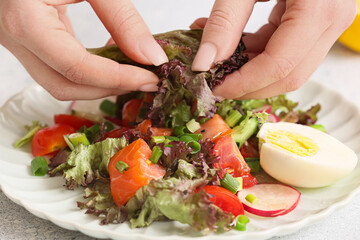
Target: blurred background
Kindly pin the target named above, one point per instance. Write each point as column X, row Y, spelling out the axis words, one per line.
column 340, row 70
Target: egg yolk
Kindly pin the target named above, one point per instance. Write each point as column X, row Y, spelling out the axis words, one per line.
column 292, row 142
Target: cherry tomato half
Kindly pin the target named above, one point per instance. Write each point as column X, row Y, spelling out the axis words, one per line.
column 73, row 121
column 225, row 200
column 131, row 110
column 50, row 139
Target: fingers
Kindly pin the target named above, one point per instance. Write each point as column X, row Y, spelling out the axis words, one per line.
column 129, row 31
column 199, row 23
column 110, row 42
column 256, row 42
column 61, row 2
column 287, row 47
column 46, row 37
column 301, row 73
column 222, row 32
column 56, row 84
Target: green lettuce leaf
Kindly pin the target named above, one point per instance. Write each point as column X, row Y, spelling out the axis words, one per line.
column 84, row 162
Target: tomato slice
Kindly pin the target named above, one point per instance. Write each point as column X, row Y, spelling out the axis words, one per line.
column 73, row 121
column 50, row 139
column 225, row 200
column 141, row 171
column 214, row 128
column 131, row 110
column 231, row 161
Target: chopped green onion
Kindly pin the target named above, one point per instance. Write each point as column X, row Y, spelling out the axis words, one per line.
column 108, row 107
column 166, row 142
column 108, row 126
column 68, row 142
column 254, row 164
column 78, row 138
column 233, row 118
column 121, row 166
column 186, row 138
column 158, row 139
column 75, row 139
column 180, row 130
column 193, row 126
column 230, row 183
column 171, row 138
column 39, row 166
column 318, row 127
column 196, row 147
column 203, row 120
column 240, row 180
column 241, row 221
column 30, row 133
column 156, row 154
column 194, row 136
column 251, row 199
column 123, row 142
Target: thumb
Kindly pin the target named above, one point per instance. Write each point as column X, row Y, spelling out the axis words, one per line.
column 222, row 32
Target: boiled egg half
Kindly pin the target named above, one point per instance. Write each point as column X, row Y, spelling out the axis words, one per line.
column 302, row 156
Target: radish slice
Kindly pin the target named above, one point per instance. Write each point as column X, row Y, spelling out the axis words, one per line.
column 274, row 199
column 272, row 118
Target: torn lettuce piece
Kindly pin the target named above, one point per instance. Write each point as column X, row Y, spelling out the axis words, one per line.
column 177, row 199
column 100, row 202
column 224, row 107
column 84, row 161
column 177, row 81
column 30, row 133
column 309, row 117
column 284, row 109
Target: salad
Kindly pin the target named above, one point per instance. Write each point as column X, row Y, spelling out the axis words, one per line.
column 178, row 154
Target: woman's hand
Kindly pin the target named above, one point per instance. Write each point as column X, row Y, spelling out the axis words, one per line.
column 283, row 53
column 40, row 35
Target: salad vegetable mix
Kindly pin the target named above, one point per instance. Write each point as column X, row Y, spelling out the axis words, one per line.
column 178, row 154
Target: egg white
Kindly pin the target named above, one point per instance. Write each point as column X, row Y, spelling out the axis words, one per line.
column 333, row 161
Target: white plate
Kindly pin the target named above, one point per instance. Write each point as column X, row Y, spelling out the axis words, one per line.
column 47, row 197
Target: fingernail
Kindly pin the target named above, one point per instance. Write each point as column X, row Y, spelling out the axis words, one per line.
column 204, row 57
column 150, row 87
column 153, row 52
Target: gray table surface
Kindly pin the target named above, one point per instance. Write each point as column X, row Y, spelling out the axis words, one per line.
column 340, row 70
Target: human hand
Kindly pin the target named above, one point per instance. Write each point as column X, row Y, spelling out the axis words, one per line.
column 283, row 53
column 40, row 35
